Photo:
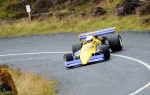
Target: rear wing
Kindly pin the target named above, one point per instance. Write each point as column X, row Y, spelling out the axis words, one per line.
column 99, row 32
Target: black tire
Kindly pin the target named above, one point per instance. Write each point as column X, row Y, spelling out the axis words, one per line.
column 105, row 51
column 76, row 47
column 68, row 57
column 115, row 43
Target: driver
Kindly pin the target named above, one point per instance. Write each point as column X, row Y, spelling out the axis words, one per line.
column 89, row 39
column 92, row 39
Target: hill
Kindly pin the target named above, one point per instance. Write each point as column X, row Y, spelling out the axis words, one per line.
column 16, row 8
column 55, row 16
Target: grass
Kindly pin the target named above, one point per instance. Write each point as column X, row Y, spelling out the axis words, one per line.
column 72, row 24
column 32, row 84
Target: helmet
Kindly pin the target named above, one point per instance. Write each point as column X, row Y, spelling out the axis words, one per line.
column 89, row 39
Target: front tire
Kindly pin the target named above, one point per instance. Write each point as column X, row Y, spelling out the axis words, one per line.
column 115, row 43
column 67, row 57
column 105, row 51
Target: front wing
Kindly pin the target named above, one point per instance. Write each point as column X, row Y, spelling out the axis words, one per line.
column 77, row 62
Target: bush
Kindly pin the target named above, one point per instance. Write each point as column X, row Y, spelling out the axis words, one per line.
column 97, row 11
column 127, row 7
column 147, row 9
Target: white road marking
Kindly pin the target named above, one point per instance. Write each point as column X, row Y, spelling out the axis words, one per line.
column 137, row 60
column 141, row 62
column 33, row 53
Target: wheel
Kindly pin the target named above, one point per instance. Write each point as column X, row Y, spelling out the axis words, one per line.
column 115, row 43
column 76, row 47
column 68, row 57
column 105, row 51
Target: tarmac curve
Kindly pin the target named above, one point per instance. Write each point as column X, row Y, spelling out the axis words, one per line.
column 126, row 73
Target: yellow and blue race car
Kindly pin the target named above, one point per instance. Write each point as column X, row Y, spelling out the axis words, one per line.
column 94, row 46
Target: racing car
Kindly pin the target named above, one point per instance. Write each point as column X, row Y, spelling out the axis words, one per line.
column 94, row 46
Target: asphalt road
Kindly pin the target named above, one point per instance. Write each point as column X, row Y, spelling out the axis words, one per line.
column 127, row 72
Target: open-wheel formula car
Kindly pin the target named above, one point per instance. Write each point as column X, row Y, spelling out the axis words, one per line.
column 94, row 46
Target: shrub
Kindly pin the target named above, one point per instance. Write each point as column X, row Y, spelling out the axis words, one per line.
column 127, row 7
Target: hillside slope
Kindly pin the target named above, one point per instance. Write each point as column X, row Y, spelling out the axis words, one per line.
column 16, row 8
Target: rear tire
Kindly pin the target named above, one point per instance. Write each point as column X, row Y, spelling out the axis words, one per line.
column 76, row 47
column 115, row 43
column 105, row 51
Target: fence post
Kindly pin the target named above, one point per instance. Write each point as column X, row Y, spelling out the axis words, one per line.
column 29, row 13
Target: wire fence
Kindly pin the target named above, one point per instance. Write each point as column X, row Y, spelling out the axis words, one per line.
column 60, row 14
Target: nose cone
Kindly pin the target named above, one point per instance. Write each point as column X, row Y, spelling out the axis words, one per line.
column 85, row 57
column 86, row 52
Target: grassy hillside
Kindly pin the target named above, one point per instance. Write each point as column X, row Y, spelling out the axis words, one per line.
column 73, row 24
column 15, row 9
column 62, row 21
column 30, row 83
